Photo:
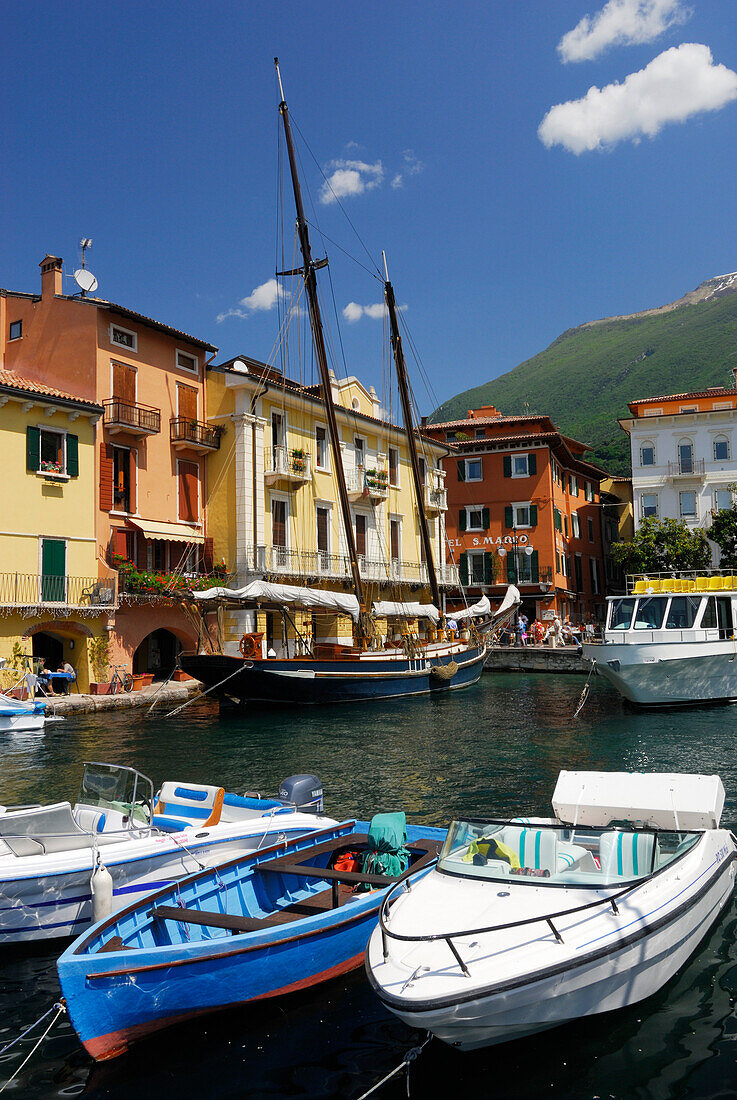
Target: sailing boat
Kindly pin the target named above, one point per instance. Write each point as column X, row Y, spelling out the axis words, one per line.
column 335, row 673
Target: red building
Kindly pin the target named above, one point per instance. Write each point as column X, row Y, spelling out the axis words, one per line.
column 524, row 508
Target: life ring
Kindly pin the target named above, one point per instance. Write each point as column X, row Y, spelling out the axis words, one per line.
column 248, row 646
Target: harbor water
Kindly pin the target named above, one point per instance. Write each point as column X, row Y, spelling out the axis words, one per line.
column 493, row 749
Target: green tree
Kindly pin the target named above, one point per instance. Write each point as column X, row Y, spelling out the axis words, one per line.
column 662, row 546
column 723, row 532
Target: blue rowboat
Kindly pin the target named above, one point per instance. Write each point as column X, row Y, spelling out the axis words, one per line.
column 261, row 925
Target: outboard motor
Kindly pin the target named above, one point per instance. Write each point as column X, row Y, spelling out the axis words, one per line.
column 304, row 791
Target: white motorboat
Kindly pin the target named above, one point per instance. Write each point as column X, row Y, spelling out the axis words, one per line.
column 21, row 715
column 671, row 640
column 63, row 866
column 530, row 923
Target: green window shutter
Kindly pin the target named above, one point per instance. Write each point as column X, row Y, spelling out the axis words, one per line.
column 73, row 455
column 534, row 567
column 463, row 569
column 511, row 567
column 508, row 516
column 485, row 518
column 507, row 465
column 33, row 448
column 533, row 515
column 565, row 525
column 532, row 464
column 489, row 567
column 462, row 520
column 461, row 464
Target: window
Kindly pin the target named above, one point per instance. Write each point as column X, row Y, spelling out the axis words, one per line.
column 520, row 466
column 579, row 572
column 122, row 479
column 52, row 452
column 157, row 555
column 722, row 405
column 187, row 361
column 649, row 505
column 565, row 526
column 590, row 525
column 16, row 330
column 395, row 538
column 722, row 499
column 557, row 519
column 279, row 523
column 589, row 491
column 573, row 485
column 652, row 412
column 688, row 409
column 476, row 571
column 361, row 535
column 621, row 614
column 650, row 613
column 470, row 469
column 647, row 454
column 521, row 515
column 323, row 533
column 321, row 447
column 123, row 338
column 709, row 618
column 594, row 575
column 475, row 518
column 682, row 612
column 721, row 449
column 189, row 491
column 480, row 433
column 576, row 525
column 687, row 504
column 356, row 405
column 359, row 450
column 55, row 454
column 393, row 466
column 685, row 458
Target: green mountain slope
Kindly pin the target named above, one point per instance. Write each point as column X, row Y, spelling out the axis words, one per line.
column 584, row 380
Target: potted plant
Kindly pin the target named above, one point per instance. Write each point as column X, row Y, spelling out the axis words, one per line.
column 98, row 651
column 299, row 460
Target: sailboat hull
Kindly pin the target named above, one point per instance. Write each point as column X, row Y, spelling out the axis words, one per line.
column 309, row 681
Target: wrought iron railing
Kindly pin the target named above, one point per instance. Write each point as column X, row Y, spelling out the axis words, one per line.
column 684, row 468
column 316, row 564
column 35, row 590
column 183, row 429
column 134, row 418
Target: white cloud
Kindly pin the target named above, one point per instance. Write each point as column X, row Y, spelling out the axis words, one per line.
column 354, row 312
column 397, row 181
column 412, row 167
column 679, row 83
column 261, row 299
column 350, row 177
column 621, row 23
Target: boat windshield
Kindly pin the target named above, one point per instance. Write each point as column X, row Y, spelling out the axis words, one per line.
column 114, row 787
column 555, row 854
column 620, row 615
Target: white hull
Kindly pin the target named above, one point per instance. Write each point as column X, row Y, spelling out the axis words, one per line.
column 662, row 674
column 22, row 722
column 48, row 897
column 521, row 980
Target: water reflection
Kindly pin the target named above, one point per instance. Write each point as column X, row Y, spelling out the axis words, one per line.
column 494, row 749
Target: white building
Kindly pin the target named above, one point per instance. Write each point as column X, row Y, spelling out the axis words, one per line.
column 684, row 455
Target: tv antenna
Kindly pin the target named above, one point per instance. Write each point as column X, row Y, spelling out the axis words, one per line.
column 83, row 277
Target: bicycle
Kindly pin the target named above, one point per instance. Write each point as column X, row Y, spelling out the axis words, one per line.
column 121, row 680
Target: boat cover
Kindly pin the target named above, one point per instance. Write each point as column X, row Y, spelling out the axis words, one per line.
column 386, row 609
column 659, row 799
column 483, row 607
column 258, row 591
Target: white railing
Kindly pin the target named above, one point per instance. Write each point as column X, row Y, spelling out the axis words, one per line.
column 319, row 564
column 436, row 496
column 287, row 463
column 38, row 590
column 367, row 481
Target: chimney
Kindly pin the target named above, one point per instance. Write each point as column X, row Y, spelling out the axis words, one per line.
column 51, row 276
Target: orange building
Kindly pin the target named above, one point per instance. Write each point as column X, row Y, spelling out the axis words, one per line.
column 524, row 508
column 152, row 442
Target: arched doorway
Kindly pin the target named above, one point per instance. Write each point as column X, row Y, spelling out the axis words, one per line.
column 157, row 653
column 50, row 647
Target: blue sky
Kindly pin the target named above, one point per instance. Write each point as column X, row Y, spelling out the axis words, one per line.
column 154, row 130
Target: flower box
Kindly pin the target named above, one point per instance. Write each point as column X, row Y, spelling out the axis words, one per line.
column 181, row 677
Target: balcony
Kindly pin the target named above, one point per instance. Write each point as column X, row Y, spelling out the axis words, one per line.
column 193, row 435
column 367, row 484
column 314, row 565
column 291, row 466
column 139, row 420
column 60, row 594
column 436, row 496
column 692, row 469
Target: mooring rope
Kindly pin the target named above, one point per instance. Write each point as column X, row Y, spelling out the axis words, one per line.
column 60, row 1008
column 585, row 692
column 202, row 694
column 159, row 691
column 412, row 1054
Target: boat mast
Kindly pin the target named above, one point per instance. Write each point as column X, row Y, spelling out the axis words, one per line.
column 318, row 336
column 407, row 414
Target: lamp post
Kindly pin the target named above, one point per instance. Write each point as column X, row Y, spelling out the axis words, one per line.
column 502, row 552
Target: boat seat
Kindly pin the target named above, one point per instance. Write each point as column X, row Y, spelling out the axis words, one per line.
column 189, row 803
column 627, row 855
column 232, row 922
column 536, row 848
column 640, row 587
column 90, row 820
column 716, row 583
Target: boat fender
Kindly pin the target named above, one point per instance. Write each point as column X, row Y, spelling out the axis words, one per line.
column 101, row 886
column 444, row 672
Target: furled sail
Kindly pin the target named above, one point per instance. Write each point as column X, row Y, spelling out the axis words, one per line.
column 483, row 607
column 285, row 594
column 386, row 609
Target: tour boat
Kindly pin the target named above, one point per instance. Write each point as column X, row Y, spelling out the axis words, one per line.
column 526, row 924
column 258, row 926
column 21, row 715
column 671, row 640
column 60, row 865
column 367, row 669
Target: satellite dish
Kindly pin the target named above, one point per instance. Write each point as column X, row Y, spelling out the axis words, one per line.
column 85, row 280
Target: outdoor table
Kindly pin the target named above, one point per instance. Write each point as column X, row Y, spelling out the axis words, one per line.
column 47, row 679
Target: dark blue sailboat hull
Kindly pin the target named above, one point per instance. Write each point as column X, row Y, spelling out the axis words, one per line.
column 305, row 680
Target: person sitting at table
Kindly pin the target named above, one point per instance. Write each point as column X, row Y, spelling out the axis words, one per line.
column 71, row 676
column 43, row 677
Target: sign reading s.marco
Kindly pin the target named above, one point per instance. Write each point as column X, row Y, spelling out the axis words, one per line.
column 487, row 540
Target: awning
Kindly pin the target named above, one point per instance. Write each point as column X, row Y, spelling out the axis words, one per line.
column 285, row 594
column 397, row 610
column 171, row 532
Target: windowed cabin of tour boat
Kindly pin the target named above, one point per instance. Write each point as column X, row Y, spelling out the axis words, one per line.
column 697, row 609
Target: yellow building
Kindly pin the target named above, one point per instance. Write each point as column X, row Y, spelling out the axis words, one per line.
column 55, row 594
column 272, row 502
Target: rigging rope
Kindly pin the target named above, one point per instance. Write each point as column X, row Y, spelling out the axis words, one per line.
column 60, row 1007
column 412, row 1055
